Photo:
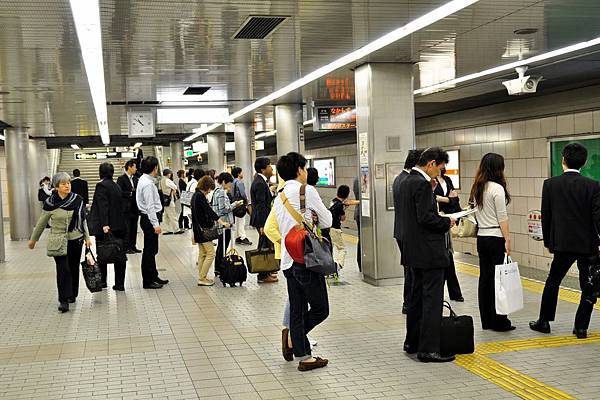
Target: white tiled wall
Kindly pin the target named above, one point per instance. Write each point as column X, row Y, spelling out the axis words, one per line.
column 524, row 145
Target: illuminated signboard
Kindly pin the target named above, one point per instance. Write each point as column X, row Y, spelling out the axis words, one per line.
column 453, row 168
column 335, row 118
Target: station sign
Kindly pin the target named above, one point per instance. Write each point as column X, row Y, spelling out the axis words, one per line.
column 103, row 155
column 333, row 118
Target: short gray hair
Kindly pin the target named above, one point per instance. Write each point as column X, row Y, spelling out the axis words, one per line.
column 60, row 177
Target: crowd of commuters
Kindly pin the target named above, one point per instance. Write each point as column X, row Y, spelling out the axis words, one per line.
column 424, row 201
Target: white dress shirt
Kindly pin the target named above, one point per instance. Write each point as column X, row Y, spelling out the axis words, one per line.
column 572, row 170
column 419, row 170
column 147, row 198
column 285, row 220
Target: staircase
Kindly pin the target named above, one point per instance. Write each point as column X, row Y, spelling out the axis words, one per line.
column 89, row 168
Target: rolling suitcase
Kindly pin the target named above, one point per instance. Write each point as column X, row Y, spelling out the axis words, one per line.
column 233, row 268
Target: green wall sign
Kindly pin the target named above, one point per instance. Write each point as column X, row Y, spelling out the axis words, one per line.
column 591, row 169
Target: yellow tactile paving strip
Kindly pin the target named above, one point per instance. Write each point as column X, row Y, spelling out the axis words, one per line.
column 507, row 378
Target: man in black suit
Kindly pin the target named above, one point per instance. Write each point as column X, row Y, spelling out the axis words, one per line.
column 424, row 250
column 80, row 186
column 409, row 163
column 261, row 197
column 128, row 183
column 570, row 224
column 107, row 217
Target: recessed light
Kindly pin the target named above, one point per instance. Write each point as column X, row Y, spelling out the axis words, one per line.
column 525, row 31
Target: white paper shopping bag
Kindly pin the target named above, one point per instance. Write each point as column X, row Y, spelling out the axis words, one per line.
column 509, row 291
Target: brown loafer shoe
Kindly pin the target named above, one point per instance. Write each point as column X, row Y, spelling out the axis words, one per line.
column 268, row 279
column 288, row 353
column 318, row 363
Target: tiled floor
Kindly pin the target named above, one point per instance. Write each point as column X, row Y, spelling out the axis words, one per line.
column 189, row 342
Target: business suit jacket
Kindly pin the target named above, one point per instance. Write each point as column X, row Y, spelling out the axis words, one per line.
column 129, row 203
column 454, row 205
column 261, row 199
column 571, row 214
column 107, row 208
column 422, row 229
column 396, row 193
column 80, row 187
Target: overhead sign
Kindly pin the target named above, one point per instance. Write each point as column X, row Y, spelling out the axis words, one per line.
column 335, row 118
column 189, row 153
column 103, row 155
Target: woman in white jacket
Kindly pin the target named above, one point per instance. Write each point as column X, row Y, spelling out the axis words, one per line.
column 170, row 192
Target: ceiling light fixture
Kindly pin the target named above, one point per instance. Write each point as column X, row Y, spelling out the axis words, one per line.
column 86, row 14
column 506, row 67
column 266, row 134
column 395, row 35
column 75, row 147
column 202, row 131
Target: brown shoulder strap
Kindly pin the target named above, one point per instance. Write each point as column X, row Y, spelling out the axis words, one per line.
column 295, row 214
column 303, row 198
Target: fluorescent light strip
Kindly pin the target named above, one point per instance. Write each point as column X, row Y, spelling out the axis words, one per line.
column 86, row 14
column 402, row 32
column 308, row 122
column 541, row 57
column 202, row 131
column 75, row 147
column 266, row 134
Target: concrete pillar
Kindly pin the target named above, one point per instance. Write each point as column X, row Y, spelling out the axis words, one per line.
column 245, row 151
column 386, row 131
column 176, row 157
column 290, row 132
column 33, row 179
column 17, row 149
column 216, row 151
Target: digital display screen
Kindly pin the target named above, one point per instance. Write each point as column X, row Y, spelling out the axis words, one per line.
column 453, row 168
column 326, row 168
column 335, row 118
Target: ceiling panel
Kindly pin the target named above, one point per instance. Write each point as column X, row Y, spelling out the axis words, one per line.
column 155, row 49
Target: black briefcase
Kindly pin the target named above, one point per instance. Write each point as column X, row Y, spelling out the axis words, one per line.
column 457, row 334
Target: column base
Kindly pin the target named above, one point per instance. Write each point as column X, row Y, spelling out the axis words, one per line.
column 383, row 282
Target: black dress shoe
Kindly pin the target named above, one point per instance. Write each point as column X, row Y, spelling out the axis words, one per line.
column 136, row 250
column 408, row 349
column 104, row 286
column 540, row 326
column 131, row 251
column 434, row 357
column 63, row 307
column 238, row 241
column 580, row 333
column 153, row 285
column 505, row 328
column 71, row 300
column 161, row 281
column 247, row 242
column 459, row 299
column 119, row 288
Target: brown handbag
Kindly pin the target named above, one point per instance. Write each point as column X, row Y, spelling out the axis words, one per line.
column 261, row 260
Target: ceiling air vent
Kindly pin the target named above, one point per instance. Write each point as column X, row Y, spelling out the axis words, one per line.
column 196, row 90
column 259, row 26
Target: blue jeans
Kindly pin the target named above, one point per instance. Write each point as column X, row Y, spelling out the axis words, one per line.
column 305, row 288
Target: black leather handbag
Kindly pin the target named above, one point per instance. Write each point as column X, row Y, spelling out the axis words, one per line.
column 91, row 272
column 456, row 334
column 111, row 249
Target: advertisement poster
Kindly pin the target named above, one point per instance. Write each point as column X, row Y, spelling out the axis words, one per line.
column 363, row 148
column 453, row 168
column 365, row 189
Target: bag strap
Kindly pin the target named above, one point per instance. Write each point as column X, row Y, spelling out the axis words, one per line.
column 449, row 307
column 295, row 214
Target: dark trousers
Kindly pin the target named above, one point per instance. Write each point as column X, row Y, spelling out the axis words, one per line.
column 408, row 280
column 452, row 281
column 149, row 271
column 131, row 234
column 424, row 317
column 263, row 243
column 305, row 288
column 119, row 267
column 223, row 244
column 491, row 253
column 184, row 222
column 67, row 271
column 559, row 268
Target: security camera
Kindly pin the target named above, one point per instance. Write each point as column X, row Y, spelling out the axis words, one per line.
column 524, row 84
